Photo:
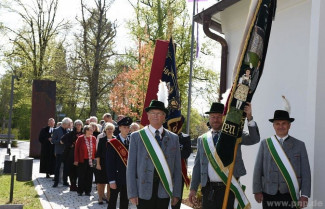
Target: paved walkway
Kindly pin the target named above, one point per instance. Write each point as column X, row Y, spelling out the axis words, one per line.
column 59, row 197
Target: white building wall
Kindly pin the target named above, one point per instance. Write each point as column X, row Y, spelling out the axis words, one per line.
column 317, row 62
column 293, row 68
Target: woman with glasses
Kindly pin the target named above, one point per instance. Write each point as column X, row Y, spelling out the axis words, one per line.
column 84, row 156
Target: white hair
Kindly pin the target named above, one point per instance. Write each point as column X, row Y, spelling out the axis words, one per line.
column 135, row 124
column 107, row 125
column 66, row 120
column 107, row 115
column 93, row 118
column 78, row 122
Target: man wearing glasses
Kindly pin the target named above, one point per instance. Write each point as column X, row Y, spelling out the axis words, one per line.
column 154, row 176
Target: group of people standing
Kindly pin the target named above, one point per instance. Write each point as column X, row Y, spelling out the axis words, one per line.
column 146, row 167
column 281, row 177
column 84, row 156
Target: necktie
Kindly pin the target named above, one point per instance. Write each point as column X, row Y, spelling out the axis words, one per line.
column 157, row 136
column 126, row 142
column 281, row 141
column 215, row 138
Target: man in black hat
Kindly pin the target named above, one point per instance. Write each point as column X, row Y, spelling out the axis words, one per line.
column 154, row 176
column 282, row 174
column 213, row 188
column 116, row 162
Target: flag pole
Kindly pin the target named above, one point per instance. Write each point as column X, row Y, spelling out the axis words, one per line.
column 231, row 171
column 263, row 28
column 190, row 78
column 250, row 21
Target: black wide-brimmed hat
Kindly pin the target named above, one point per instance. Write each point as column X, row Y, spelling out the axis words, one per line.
column 156, row 105
column 216, row 107
column 281, row 115
column 125, row 121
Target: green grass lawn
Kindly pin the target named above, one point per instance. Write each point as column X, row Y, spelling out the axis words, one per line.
column 24, row 192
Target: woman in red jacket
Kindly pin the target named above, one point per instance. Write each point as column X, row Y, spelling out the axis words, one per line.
column 84, row 155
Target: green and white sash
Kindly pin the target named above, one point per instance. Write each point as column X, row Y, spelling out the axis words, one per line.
column 284, row 165
column 223, row 172
column 236, row 205
column 158, row 158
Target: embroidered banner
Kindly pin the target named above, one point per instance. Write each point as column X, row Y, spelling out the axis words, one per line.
column 169, row 75
column 174, row 119
column 249, row 68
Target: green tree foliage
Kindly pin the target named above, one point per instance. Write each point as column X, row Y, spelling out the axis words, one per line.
column 4, row 99
column 60, row 72
column 130, row 87
column 31, row 42
column 34, row 53
column 198, row 124
column 94, row 48
column 160, row 19
column 85, row 69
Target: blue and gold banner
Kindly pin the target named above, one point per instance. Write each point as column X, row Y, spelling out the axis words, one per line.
column 174, row 120
column 249, row 70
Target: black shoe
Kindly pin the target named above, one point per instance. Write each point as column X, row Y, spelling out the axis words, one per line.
column 100, row 203
column 66, row 184
column 47, row 175
column 87, row 193
column 105, row 199
column 55, row 184
column 73, row 188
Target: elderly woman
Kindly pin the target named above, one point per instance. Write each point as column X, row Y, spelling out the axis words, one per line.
column 94, row 119
column 100, row 172
column 95, row 128
column 134, row 127
column 84, row 154
column 69, row 141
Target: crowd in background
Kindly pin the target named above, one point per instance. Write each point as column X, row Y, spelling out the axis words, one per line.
column 82, row 151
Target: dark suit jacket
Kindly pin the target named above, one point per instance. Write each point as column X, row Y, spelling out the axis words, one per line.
column 185, row 145
column 47, row 159
column 115, row 168
column 57, row 134
column 268, row 178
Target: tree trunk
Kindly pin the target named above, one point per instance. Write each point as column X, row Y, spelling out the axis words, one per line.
column 93, row 93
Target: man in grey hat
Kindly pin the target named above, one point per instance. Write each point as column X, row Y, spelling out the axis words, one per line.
column 213, row 188
column 282, row 176
column 153, row 173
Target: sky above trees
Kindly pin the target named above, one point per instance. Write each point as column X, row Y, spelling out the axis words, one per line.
column 85, row 70
column 121, row 11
